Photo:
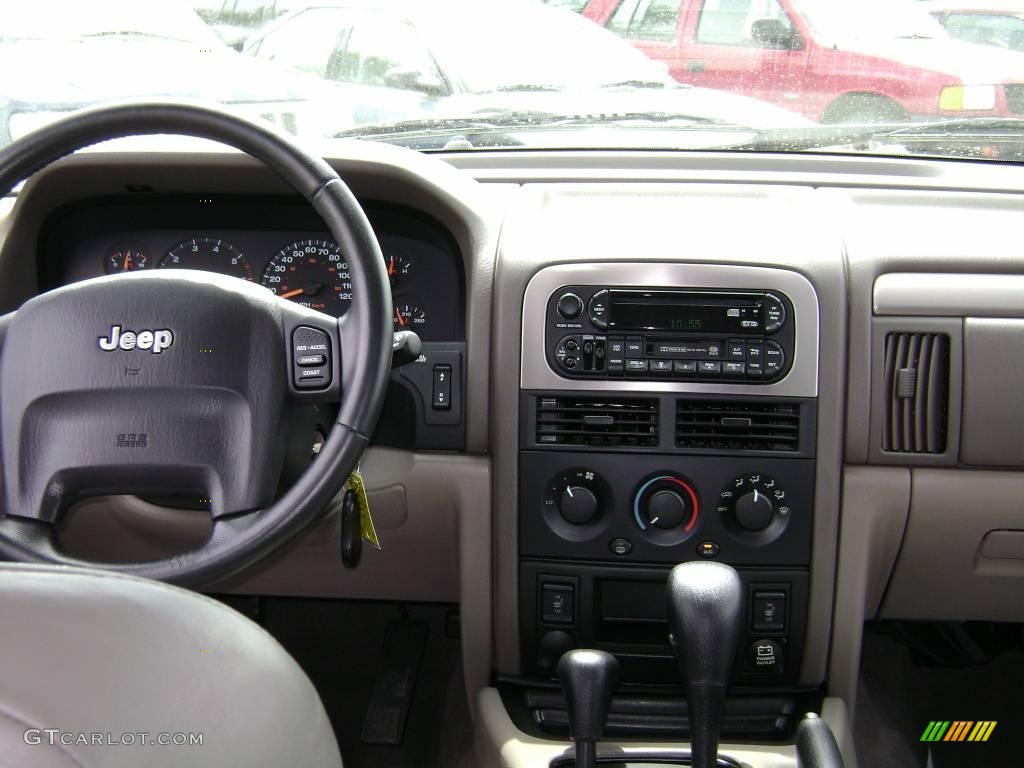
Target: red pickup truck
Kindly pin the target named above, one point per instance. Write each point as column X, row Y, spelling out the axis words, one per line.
column 831, row 60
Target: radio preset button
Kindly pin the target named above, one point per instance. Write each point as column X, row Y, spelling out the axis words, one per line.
column 685, row 368
column 774, row 313
column 635, row 367
column 569, row 306
column 661, row 367
column 731, row 370
column 598, row 309
column 709, row 368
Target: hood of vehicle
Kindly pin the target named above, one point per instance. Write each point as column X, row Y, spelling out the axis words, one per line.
column 971, row 63
column 54, row 72
column 608, row 104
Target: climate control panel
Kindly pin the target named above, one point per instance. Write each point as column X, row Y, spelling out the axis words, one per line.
column 650, row 508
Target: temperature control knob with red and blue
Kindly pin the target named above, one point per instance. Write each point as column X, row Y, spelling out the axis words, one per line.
column 666, row 508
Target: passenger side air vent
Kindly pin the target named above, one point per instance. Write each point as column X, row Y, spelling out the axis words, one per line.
column 597, row 421
column 735, row 425
column 916, row 392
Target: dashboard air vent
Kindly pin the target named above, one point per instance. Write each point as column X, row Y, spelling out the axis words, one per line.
column 916, row 392
column 597, row 421
column 734, row 425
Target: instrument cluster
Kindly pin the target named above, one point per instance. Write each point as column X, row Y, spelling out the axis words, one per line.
column 302, row 265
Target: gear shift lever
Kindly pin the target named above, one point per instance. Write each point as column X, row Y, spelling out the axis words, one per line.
column 588, row 680
column 704, row 618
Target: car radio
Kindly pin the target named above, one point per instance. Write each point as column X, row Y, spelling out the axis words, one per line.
column 709, row 335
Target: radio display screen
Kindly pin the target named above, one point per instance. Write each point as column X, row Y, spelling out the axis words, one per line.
column 683, row 312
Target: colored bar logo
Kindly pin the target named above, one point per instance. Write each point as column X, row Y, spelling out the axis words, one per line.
column 959, row 730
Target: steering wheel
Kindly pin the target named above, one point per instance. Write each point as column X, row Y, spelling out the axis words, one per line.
column 172, row 381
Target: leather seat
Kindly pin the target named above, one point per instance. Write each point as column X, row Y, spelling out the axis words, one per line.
column 105, row 658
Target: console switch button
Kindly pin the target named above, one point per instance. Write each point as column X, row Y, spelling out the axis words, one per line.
column 442, row 399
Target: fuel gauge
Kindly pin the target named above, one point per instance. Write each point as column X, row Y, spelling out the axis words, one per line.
column 399, row 268
column 125, row 259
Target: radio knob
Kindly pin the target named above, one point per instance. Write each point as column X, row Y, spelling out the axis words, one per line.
column 569, row 306
column 754, row 511
column 578, row 504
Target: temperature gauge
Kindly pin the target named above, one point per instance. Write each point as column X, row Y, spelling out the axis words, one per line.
column 408, row 317
column 126, row 259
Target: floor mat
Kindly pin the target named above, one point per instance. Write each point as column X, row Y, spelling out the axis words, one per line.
column 897, row 700
column 339, row 645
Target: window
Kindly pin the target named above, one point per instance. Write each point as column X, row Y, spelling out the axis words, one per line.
column 306, row 41
column 646, row 19
column 987, row 29
column 383, row 51
column 732, row 22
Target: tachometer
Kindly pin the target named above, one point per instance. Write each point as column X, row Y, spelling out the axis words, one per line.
column 312, row 273
column 211, row 254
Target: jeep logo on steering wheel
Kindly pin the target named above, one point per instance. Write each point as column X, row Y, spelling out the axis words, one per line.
column 156, row 341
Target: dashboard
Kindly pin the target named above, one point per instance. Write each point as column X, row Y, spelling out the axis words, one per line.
column 553, row 497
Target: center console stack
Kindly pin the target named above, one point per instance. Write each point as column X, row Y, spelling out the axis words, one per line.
column 667, row 415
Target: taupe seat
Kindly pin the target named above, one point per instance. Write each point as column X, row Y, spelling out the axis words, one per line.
column 95, row 657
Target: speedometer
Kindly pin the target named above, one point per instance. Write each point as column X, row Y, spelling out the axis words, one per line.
column 312, row 273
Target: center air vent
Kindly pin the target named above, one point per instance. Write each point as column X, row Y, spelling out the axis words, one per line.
column 597, row 421
column 736, row 425
column 916, row 392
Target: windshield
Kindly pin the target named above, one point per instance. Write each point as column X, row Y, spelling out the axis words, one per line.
column 870, row 18
column 903, row 77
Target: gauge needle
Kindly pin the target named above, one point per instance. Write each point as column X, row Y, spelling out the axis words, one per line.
column 127, row 262
column 288, row 295
column 391, row 265
column 398, row 316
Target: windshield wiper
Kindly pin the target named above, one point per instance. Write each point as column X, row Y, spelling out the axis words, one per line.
column 503, row 130
column 956, row 130
column 130, row 33
column 641, row 84
column 527, row 120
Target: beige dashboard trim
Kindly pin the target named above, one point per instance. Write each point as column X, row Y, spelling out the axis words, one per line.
column 949, row 295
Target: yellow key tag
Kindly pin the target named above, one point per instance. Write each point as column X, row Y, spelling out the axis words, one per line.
column 366, row 529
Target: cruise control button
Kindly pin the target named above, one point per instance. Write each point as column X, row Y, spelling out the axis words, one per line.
column 311, row 353
column 709, row 368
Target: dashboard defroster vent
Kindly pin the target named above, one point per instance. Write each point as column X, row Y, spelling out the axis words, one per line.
column 736, row 425
column 597, row 421
column 916, row 392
